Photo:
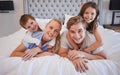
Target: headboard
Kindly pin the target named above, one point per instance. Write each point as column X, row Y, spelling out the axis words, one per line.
column 46, row 9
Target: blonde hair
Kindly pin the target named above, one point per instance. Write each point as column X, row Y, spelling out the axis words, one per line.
column 57, row 41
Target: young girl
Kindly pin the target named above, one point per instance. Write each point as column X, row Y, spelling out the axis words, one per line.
column 89, row 13
column 52, row 30
column 29, row 23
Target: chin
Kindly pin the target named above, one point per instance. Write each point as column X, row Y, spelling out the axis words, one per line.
column 88, row 22
column 49, row 38
column 77, row 42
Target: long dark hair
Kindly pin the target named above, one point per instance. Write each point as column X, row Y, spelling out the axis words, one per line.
column 93, row 25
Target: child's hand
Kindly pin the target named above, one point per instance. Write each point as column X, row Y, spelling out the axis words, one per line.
column 31, row 53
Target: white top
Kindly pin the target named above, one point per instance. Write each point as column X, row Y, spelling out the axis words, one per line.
column 89, row 39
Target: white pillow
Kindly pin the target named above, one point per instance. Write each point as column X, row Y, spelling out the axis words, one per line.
column 42, row 22
column 67, row 17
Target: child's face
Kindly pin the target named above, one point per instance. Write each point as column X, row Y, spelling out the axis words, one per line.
column 31, row 25
column 77, row 33
column 89, row 14
column 52, row 30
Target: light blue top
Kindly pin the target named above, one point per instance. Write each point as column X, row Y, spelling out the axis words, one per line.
column 37, row 35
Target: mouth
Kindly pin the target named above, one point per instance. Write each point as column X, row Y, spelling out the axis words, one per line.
column 50, row 35
column 88, row 19
column 77, row 40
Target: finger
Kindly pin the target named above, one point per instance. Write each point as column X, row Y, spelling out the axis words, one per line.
column 86, row 60
column 72, row 56
column 83, row 69
column 27, row 56
column 85, row 65
column 75, row 57
column 79, row 68
column 75, row 66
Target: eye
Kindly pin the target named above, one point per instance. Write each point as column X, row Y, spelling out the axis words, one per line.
column 92, row 13
column 72, row 31
column 80, row 30
column 31, row 23
column 86, row 13
column 51, row 27
column 57, row 31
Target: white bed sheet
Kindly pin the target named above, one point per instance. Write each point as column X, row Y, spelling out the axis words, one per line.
column 56, row 65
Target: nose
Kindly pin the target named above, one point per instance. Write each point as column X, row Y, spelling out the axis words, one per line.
column 77, row 35
column 52, row 32
column 89, row 15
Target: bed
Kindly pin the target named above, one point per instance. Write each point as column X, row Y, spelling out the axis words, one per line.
column 44, row 11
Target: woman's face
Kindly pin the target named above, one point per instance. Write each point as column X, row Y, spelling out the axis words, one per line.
column 77, row 33
column 89, row 14
column 31, row 25
column 52, row 30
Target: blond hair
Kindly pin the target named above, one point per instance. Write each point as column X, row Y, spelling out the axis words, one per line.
column 57, row 41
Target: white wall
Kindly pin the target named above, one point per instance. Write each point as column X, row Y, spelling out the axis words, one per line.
column 9, row 22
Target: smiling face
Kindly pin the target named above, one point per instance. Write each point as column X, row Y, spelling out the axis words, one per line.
column 89, row 14
column 77, row 33
column 31, row 25
column 52, row 30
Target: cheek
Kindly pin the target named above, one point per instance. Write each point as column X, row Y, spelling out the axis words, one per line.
column 94, row 17
column 30, row 29
column 47, row 29
column 83, row 35
column 55, row 34
column 72, row 36
column 37, row 26
column 84, row 15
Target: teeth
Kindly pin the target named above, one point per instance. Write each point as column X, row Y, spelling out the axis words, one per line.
column 49, row 34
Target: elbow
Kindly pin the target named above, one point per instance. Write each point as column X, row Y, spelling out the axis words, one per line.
column 101, row 43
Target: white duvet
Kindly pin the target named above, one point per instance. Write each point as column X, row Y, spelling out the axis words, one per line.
column 56, row 65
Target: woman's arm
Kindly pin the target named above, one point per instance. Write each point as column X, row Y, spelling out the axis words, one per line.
column 19, row 51
column 96, row 44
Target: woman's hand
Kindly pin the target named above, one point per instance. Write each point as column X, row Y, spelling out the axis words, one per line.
column 80, row 64
column 44, row 54
column 31, row 53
